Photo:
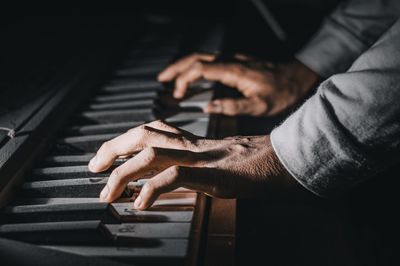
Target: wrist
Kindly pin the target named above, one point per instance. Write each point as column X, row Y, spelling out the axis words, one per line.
column 303, row 77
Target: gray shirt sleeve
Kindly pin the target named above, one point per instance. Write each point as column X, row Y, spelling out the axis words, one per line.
column 349, row 31
column 350, row 129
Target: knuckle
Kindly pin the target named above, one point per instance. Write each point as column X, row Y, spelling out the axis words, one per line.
column 115, row 176
column 175, row 172
column 239, row 147
column 105, row 147
column 118, row 177
column 149, row 188
column 150, row 155
column 142, row 128
column 158, row 123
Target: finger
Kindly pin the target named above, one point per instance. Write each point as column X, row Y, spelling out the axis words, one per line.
column 132, row 141
column 227, row 73
column 181, row 65
column 195, row 178
column 182, row 82
column 162, row 183
column 248, row 106
column 145, row 164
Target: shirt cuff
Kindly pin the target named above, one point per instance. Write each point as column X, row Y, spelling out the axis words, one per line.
column 315, row 151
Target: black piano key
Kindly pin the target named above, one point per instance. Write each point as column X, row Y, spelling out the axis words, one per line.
column 133, row 96
column 66, row 172
column 71, row 232
column 103, row 128
column 85, row 144
column 147, row 103
column 82, row 187
column 118, row 116
column 60, row 212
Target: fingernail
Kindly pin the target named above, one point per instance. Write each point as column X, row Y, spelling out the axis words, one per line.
column 138, row 202
column 104, row 192
column 92, row 162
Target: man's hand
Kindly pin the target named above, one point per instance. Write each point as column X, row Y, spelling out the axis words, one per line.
column 268, row 88
column 231, row 167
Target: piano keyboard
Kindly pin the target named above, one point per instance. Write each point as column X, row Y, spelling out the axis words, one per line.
column 57, row 204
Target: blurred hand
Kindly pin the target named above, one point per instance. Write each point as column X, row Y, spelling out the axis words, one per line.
column 268, row 88
column 230, row 167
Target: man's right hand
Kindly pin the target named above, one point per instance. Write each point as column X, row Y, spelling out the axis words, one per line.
column 268, row 88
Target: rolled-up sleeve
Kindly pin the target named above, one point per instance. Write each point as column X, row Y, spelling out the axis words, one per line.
column 350, row 129
column 349, row 31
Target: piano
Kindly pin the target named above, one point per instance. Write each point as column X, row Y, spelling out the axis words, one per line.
column 76, row 76
column 85, row 82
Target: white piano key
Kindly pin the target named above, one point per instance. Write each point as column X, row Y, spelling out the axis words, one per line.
column 149, row 230
column 166, row 249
